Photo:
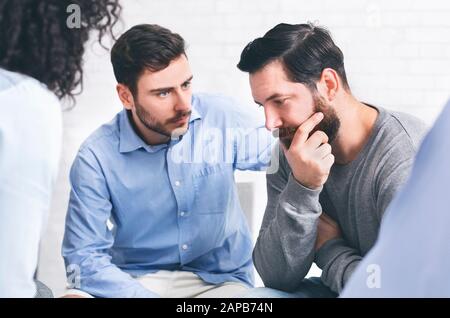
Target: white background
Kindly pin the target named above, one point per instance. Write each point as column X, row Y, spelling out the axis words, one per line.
column 397, row 55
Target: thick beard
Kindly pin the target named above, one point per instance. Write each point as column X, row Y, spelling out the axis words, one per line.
column 329, row 125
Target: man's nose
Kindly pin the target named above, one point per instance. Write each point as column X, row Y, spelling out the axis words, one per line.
column 273, row 121
column 183, row 103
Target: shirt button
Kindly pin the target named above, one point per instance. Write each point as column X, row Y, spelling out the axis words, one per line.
column 182, row 213
column 184, row 247
column 177, row 183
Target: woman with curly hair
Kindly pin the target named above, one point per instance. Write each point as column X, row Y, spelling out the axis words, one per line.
column 41, row 55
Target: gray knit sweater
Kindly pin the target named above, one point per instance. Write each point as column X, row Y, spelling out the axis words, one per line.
column 355, row 196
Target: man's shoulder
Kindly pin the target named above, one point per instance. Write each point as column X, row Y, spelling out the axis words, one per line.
column 104, row 136
column 400, row 129
column 396, row 142
column 214, row 100
column 211, row 104
column 410, row 125
column 226, row 111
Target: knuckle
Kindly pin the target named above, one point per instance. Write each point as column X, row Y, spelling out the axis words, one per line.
column 316, row 133
column 302, row 130
column 323, row 135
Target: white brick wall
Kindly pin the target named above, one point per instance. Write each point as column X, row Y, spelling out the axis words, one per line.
column 397, row 55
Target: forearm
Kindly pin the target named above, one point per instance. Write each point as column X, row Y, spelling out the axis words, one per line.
column 97, row 276
column 337, row 261
column 284, row 251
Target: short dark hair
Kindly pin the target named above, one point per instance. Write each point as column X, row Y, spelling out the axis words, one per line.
column 305, row 50
column 36, row 41
column 144, row 46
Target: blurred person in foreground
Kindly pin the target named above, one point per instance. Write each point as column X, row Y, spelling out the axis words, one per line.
column 40, row 64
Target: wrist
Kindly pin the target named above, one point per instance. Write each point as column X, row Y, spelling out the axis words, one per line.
column 306, row 184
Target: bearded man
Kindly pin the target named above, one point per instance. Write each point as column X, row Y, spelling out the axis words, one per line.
column 341, row 163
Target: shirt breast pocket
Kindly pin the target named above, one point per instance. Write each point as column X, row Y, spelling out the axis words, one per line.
column 213, row 189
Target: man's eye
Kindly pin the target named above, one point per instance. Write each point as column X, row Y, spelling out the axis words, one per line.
column 163, row 93
column 280, row 102
column 186, row 85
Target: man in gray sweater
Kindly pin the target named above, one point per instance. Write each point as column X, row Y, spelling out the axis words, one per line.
column 341, row 162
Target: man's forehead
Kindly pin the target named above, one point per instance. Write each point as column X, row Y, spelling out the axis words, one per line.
column 271, row 90
column 165, row 78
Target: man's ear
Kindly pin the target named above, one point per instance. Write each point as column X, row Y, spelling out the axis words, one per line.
column 329, row 84
column 125, row 95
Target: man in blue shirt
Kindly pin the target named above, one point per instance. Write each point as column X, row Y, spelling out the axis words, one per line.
column 153, row 209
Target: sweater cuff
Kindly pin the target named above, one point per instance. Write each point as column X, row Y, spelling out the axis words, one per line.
column 297, row 195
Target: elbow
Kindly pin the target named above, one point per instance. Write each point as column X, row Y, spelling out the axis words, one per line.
column 277, row 275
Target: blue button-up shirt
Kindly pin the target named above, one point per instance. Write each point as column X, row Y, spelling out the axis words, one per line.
column 172, row 206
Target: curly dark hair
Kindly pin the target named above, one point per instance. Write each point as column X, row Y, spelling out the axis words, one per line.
column 36, row 40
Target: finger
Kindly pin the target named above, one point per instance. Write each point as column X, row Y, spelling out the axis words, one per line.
column 323, row 151
column 302, row 133
column 328, row 161
column 316, row 139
